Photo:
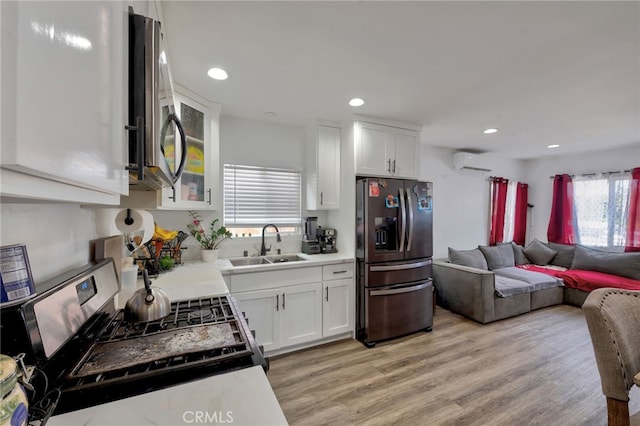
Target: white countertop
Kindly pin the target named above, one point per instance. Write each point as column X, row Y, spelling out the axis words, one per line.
column 242, row 397
column 225, row 266
column 188, row 281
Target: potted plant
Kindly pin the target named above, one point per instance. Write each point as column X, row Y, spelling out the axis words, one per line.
column 209, row 240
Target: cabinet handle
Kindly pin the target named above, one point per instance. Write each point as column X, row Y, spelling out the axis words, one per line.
column 389, row 165
column 321, row 198
column 283, row 301
column 339, row 272
column 327, row 292
column 394, row 166
column 277, row 302
column 209, row 192
column 173, row 192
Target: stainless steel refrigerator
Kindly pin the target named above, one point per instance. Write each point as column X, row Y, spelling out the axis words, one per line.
column 394, row 246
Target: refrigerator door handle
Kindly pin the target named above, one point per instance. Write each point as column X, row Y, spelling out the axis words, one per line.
column 410, row 211
column 400, row 290
column 403, row 217
column 403, row 266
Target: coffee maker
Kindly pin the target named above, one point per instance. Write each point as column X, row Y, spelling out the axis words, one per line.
column 327, row 239
column 310, row 243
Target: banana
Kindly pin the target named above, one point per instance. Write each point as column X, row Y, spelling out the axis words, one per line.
column 160, row 233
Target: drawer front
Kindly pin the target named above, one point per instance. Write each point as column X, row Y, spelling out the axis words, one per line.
column 337, row 271
column 274, row 279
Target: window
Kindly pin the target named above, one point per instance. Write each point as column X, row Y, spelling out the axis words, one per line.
column 256, row 196
column 601, row 208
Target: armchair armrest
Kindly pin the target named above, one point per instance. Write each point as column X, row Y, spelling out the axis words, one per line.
column 464, row 290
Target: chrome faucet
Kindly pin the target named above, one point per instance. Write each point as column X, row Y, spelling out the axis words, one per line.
column 264, row 249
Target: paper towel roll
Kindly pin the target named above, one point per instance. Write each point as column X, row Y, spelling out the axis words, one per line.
column 132, row 222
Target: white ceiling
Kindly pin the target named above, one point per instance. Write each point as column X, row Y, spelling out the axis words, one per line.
column 542, row 72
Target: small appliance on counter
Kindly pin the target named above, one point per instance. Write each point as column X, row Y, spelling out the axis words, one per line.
column 310, row 243
column 327, row 239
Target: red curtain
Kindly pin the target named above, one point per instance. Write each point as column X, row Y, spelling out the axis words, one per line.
column 498, row 203
column 633, row 217
column 561, row 223
column 520, row 217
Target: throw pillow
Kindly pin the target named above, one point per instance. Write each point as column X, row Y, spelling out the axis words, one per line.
column 565, row 254
column 471, row 258
column 539, row 253
column 622, row 264
column 498, row 256
column 519, row 256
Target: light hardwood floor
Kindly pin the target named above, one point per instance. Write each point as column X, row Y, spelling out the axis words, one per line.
column 534, row 369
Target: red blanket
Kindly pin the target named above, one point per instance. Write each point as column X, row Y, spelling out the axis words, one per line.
column 535, row 268
column 590, row 280
column 587, row 280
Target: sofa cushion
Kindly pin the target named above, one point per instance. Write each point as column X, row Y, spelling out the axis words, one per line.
column 539, row 253
column 506, row 287
column 471, row 258
column 518, row 255
column 536, row 280
column 622, row 264
column 591, row 280
column 498, row 256
column 565, row 254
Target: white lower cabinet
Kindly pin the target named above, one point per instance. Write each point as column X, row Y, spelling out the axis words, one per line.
column 295, row 307
column 284, row 316
column 338, row 305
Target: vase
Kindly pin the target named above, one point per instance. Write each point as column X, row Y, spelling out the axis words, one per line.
column 209, row 255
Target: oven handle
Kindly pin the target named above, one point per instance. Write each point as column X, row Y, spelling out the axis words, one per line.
column 400, row 290
column 400, row 267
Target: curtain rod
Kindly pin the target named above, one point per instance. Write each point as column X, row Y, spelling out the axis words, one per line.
column 595, row 174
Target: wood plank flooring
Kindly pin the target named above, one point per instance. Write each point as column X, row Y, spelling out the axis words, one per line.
column 534, row 369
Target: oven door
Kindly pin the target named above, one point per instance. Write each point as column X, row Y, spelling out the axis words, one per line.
column 398, row 310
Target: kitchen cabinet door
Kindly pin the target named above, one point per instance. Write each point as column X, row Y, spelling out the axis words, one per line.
column 372, row 150
column 301, row 310
column 63, row 99
column 406, row 153
column 323, row 168
column 262, row 309
column 338, row 307
column 387, row 151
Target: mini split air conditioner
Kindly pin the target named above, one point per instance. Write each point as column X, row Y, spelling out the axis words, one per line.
column 469, row 161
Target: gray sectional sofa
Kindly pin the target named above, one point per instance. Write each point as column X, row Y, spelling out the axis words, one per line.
column 486, row 285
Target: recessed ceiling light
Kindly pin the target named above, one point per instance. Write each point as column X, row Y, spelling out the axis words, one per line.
column 356, row 102
column 489, row 131
column 218, row 74
column 553, row 146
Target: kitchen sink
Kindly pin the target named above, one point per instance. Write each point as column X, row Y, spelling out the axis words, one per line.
column 265, row 260
column 284, row 258
column 246, row 261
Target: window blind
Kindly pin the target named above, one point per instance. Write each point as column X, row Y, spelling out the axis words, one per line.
column 255, row 196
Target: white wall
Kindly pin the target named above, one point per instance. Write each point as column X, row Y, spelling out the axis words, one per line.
column 56, row 235
column 538, row 174
column 461, row 199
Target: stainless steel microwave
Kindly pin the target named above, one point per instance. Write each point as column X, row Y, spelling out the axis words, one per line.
column 157, row 143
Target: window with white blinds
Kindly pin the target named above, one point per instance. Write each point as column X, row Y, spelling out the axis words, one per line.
column 255, row 196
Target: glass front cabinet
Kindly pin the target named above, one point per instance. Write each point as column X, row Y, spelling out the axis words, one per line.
column 196, row 187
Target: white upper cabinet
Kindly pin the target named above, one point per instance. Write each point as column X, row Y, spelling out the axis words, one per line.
column 323, row 167
column 386, row 151
column 195, row 189
column 64, row 101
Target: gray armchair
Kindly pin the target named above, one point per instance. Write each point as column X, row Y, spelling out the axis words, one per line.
column 613, row 318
